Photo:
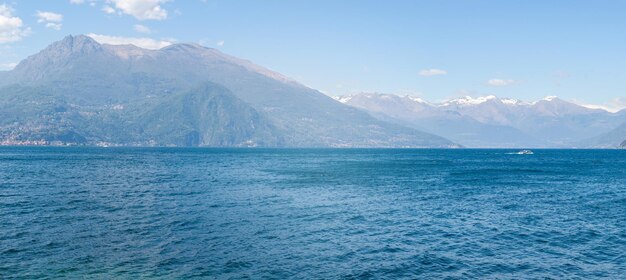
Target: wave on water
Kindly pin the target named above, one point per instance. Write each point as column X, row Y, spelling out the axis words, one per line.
column 388, row 214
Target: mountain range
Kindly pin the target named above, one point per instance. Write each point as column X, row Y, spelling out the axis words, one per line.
column 81, row 92
column 491, row 122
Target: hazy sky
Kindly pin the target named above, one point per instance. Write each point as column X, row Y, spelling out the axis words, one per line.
column 435, row 49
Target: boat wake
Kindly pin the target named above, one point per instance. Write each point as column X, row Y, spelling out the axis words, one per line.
column 522, row 152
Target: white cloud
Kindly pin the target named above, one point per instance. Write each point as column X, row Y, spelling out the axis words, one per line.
column 79, row 2
column 146, row 43
column 8, row 66
column 432, row 72
column 220, row 43
column 49, row 17
column 52, row 20
column 142, row 29
column 12, row 28
column 141, row 9
column 108, row 9
column 501, row 82
column 55, row 26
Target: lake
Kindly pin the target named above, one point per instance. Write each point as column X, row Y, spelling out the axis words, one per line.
column 165, row 213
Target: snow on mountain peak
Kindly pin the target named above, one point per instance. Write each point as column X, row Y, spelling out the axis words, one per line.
column 550, row 98
column 468, row 100
column 343, row 99
column 416, row 99
column 512, row 101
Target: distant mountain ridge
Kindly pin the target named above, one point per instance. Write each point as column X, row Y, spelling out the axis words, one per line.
column 78, row 91
column 610, row 139
column 490, row 121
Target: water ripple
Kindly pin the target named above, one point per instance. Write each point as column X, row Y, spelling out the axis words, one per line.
column 353, row 214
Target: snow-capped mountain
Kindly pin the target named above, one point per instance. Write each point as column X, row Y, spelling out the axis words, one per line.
column 489, row 121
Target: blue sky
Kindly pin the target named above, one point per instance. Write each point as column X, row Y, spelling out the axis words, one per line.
column 435, row 49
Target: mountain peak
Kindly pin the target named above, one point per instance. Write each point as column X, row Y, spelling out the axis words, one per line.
column 70, row 45
column 416, row 99
column 78, row 38
column 74, row 48
column 549, row 98
column 58, row 53
column 77, row 43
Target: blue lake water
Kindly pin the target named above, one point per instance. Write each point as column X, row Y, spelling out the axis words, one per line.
column 311, row 213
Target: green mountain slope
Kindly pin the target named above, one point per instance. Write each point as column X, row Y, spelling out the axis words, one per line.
column 79, row 91
column 208, row 115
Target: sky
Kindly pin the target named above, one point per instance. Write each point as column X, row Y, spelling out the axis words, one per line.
column 433, row 49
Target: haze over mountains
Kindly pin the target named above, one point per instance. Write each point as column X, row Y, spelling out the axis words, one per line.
column 500, row 122
column 609, row 139
column 78, row 91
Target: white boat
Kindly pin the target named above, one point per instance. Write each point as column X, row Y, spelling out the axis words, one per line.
column 525, row 152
